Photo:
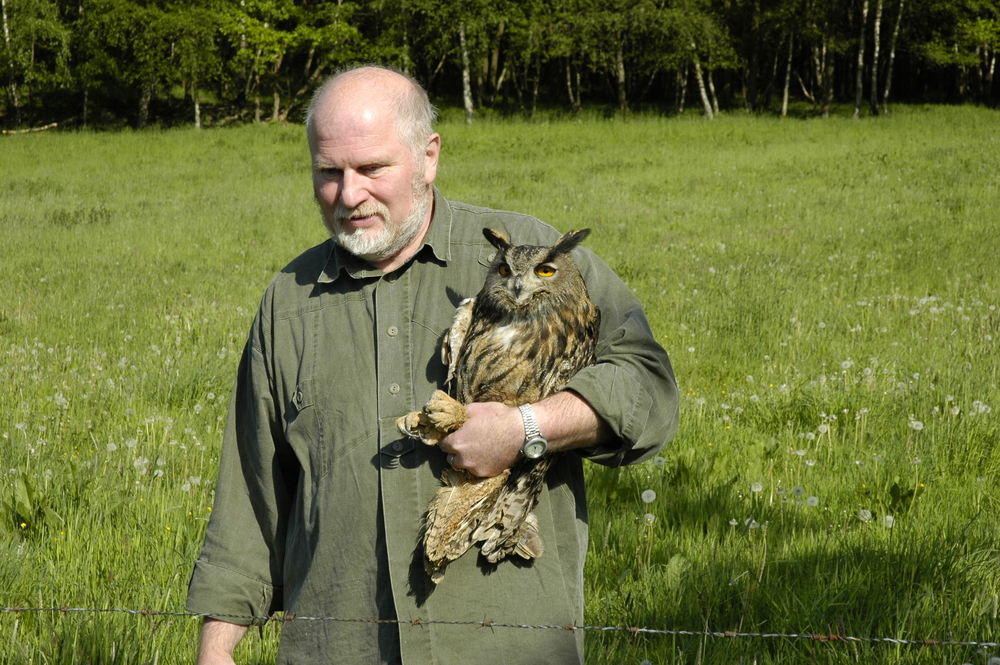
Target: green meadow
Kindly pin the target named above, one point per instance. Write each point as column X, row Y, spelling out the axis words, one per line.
column 828, row 290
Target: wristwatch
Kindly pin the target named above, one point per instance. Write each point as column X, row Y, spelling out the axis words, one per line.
column 535, row 444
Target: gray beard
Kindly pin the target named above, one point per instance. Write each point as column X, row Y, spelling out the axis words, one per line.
column 391, row 238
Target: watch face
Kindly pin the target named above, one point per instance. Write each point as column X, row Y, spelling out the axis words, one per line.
column 535, row 448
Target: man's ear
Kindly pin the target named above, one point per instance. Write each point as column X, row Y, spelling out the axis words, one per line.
column 431, row 154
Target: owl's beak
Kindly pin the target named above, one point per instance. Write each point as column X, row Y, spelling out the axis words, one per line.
column 517, row 287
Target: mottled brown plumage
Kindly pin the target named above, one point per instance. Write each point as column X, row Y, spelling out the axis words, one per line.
column 527, row 332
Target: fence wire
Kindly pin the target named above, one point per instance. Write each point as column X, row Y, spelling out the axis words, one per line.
column 486, row 623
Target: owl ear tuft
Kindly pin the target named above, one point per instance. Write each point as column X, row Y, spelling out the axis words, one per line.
column 569, row 241
column 497, row 238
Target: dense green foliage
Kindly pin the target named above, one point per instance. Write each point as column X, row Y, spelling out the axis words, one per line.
column 827, row 289
column 114, row 62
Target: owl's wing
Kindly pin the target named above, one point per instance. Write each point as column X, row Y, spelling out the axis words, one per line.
column 455, row 336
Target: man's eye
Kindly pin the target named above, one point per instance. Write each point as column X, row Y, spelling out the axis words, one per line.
column 371, row 169
column 503, row 269
column 330, row 172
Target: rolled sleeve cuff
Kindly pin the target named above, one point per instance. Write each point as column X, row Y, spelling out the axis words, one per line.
column 621, row 400
column 230, row 596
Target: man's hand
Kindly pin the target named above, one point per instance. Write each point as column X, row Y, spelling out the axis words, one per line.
column 489, row 441
column 218, row 639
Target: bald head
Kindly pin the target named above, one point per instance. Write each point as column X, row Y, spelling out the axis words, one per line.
column 369, row 93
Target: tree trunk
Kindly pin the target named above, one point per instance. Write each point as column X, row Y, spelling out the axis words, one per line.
column 891, row 59
column 876, row 39
column 788, row 77
column 12, row 85
column 466, row 74
column 859, row 80
column 197, row 104
column 682, row 86
column 700, row 80
column 145, row 97
column 534, row 85
column 620, row 76
column 711, row 91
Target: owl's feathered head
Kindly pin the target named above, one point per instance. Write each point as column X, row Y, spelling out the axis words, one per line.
column 530, row 277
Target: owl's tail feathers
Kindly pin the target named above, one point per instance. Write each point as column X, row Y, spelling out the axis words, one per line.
column 453, row 515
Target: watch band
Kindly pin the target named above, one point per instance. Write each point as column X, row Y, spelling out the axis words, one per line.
column 531, row 430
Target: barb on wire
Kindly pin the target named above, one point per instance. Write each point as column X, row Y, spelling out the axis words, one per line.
column 489, row 623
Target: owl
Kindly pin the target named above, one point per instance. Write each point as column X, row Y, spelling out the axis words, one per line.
column 527, row 332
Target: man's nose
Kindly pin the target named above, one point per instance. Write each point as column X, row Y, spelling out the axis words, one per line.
column 353, row 190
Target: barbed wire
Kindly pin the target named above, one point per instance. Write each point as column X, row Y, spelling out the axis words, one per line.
column 486, row 623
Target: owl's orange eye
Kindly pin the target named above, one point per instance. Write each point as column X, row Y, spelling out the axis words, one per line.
column 503, row 269
column 545, row 270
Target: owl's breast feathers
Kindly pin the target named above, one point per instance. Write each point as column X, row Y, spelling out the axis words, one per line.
column 520, row 360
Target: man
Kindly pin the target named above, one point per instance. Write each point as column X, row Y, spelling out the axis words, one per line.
column 319, row 498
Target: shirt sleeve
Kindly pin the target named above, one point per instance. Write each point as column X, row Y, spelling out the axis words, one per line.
column 238, row 575
column 632, row 385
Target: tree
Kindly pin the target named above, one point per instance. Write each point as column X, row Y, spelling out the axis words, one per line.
column 35, row 51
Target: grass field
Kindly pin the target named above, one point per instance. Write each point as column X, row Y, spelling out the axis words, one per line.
column 828, row 291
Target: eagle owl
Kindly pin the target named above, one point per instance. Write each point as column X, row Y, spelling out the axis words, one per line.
column 527, row 332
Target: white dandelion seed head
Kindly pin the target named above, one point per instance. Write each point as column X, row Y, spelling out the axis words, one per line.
column 131, row 443
column 649, row 518
column 648, row 496
column 980, row 407
column 823, row 429
column 889, row 521
column 798, row 490
column 865, row 515
column 659, row 461
column 756, row 487
column 812, row 501
column 916, row 425
column 112, row 447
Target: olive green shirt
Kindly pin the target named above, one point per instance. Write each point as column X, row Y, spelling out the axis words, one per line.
column 319, row 498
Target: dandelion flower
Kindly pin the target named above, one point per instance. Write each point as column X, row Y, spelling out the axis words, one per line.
column 648, row 496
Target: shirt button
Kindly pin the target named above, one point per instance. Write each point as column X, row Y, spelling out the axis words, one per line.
column 393, row 388
column 392, row 331
column 397, row 446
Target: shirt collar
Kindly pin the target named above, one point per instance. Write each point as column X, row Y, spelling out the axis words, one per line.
column 437, row 245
